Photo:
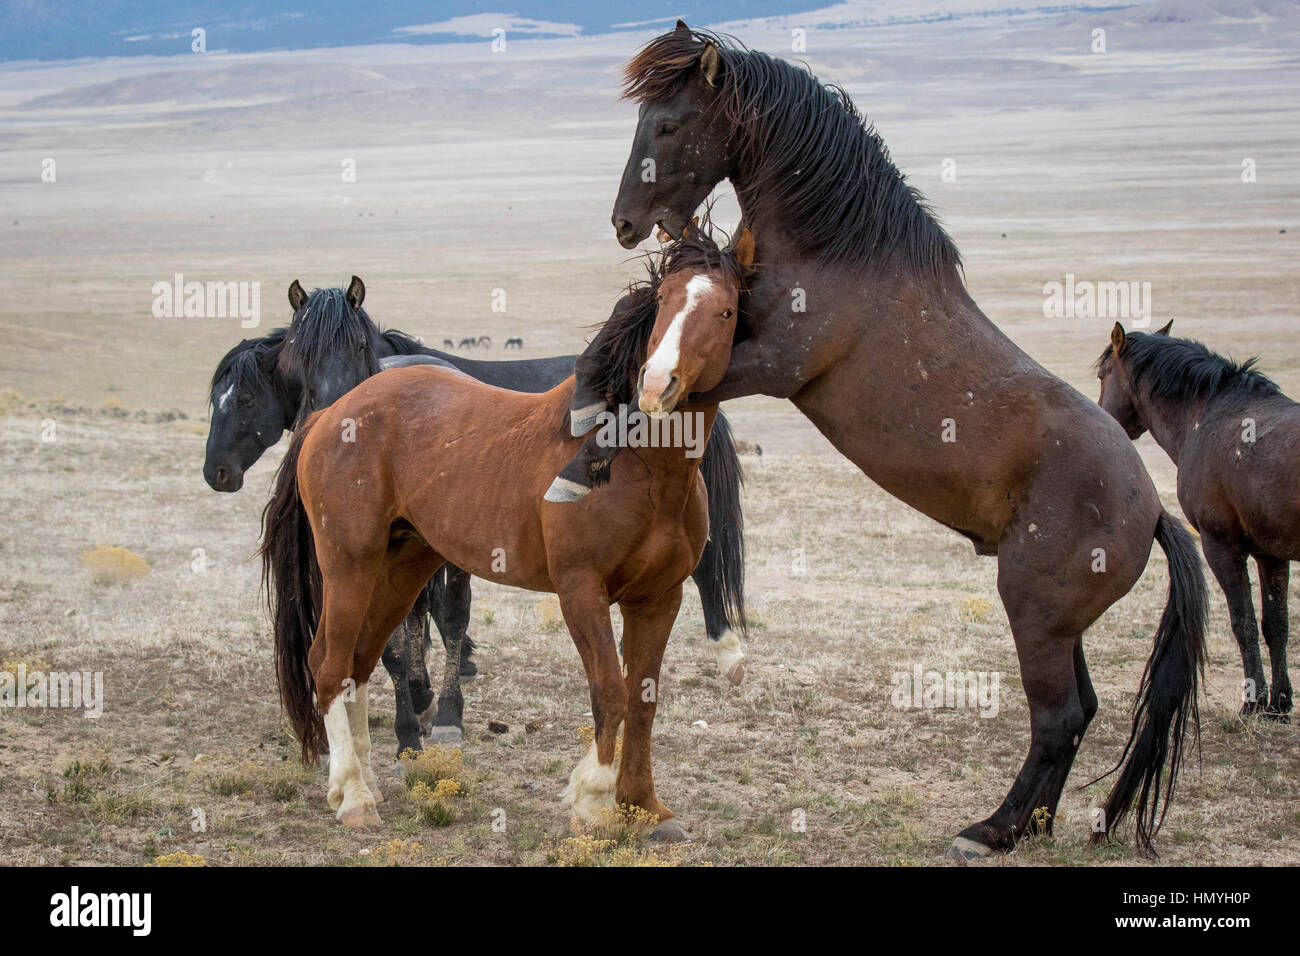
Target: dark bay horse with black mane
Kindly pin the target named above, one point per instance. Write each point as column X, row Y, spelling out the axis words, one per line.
column 345, row 568
column 1235, row 439
column 859, row 314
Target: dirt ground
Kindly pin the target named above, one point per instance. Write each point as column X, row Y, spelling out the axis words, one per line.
column 477, row 174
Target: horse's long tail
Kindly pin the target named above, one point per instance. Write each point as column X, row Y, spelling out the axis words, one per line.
column 1167, row 696
column 292, row 580
column 722, row 566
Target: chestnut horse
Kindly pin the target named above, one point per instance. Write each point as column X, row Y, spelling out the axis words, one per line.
column 1236, row 440
column 422, row 465
column 859, row 315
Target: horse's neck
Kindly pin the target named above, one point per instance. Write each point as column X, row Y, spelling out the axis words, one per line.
column 1171, row 421
column 671, row 466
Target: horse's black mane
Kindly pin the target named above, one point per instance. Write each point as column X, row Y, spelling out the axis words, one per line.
column 803, row 146
column 400, row 342
column 245, row 364
column 620, row 349
column 325, row 324
column 1183, row 370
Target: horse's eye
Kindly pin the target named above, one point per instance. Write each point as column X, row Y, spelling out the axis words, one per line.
column 727, row 314
column 361, row 345
column 667, row 129
column 245, row 401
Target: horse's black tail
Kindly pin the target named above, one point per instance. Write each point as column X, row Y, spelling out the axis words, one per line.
column 722, row 566
column 1167, row 696
column 292, row 580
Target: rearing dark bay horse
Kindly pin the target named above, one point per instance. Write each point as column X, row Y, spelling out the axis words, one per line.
column 1236, row 441
column 860, row 316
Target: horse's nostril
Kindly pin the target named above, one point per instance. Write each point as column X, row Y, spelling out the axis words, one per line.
column 223, row 475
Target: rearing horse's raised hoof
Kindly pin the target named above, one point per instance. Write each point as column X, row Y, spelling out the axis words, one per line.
column 563, row 490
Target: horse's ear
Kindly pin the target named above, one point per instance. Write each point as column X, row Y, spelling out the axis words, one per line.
column 682, row 28
column 356, row 293
column 1165, row 331
column 710, row 63
column 296, row 295
column 1117, row 338
column 745, row 249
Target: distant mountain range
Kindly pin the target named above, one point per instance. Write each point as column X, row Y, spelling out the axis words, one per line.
column 62, row 29
column 67, row 29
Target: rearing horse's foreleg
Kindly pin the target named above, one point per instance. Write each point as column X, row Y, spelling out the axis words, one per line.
column 585, row 606
column 645, row 635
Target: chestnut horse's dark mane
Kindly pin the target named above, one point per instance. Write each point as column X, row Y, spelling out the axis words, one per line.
column 803, row 146
column 325, row 325
column 244, row 364
column 1183, row 370
column 624, row 349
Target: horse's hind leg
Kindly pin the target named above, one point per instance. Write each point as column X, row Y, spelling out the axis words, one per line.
column 453, row 621
column 724, row 644
column 449, row 599
column 397, row 664
column 403, row 658
column 585, row 606
column 1274, row 578
column 1229, row 566
column 645, row 635
column 346, row 595
column 1057, row 720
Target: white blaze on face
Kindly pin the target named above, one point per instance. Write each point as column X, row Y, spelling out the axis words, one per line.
column 224, row 400
column 660, row 366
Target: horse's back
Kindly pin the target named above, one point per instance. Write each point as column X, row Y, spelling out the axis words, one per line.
column 1239, row 474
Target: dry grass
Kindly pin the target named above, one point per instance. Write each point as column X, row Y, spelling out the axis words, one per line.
column 191, row 756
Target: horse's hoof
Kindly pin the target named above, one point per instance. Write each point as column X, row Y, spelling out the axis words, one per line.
column 359, row 818
column 445, row 735
column 729, row 655
column 583, row 420
column 563, row 490
column 964, row 848
column 669, row 831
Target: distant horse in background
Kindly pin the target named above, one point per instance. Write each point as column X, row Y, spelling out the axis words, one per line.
column 514, row 343
column 435, row 497
column 1236, row 441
